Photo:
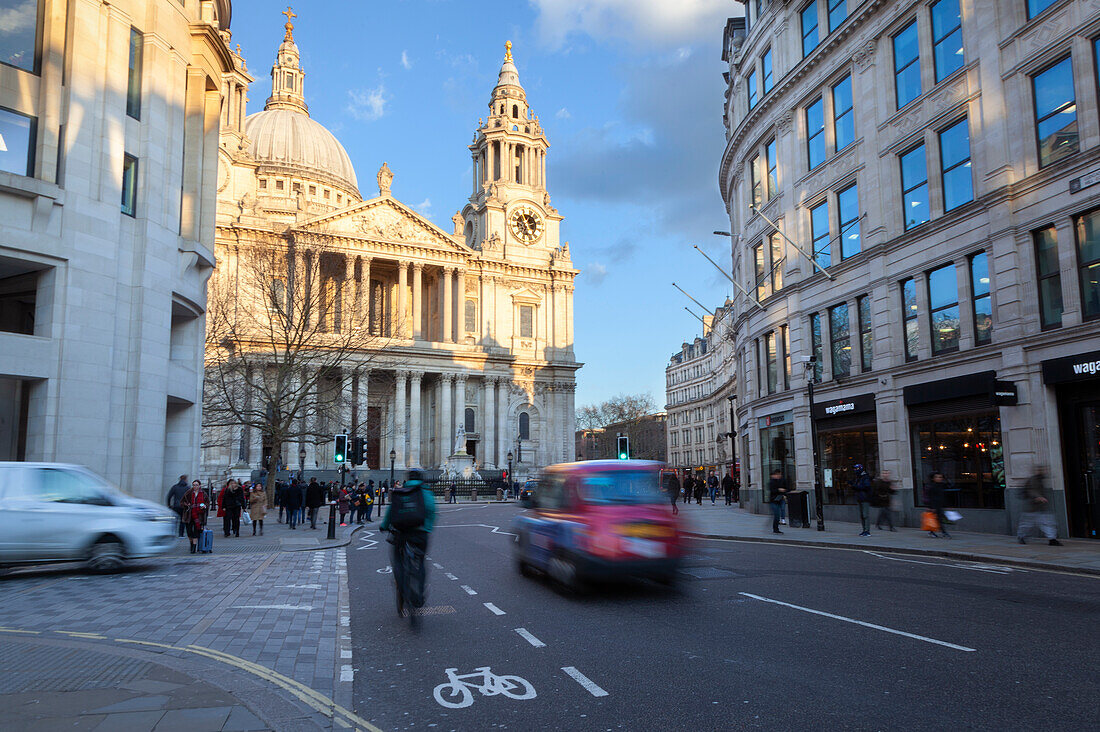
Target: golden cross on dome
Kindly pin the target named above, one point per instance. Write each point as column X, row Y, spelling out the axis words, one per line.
column 507, row 50
column 290, row 15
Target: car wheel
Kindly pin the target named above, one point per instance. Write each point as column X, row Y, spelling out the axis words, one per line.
column 107, row 555
column 564, row 574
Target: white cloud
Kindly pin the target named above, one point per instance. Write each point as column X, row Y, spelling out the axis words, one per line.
column 405, row 62
column 595, row 273
column 563, row 113
column 424, row 208
column 639, row 21
column 367, row 105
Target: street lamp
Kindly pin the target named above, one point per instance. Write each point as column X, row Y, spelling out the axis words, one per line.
column 733, row 450
column 393, row 456
column 510, row 478
column 818, row 498
column 302, row 460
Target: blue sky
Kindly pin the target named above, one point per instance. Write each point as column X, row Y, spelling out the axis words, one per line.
column 630, row 95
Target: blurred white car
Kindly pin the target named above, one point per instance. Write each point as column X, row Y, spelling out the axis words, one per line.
column 51, row 512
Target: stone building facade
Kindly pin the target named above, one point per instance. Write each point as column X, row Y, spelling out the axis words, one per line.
column 911, row 187
column 108, row 119
column 472, row 327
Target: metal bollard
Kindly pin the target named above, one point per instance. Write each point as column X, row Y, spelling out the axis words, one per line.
column 500, row 494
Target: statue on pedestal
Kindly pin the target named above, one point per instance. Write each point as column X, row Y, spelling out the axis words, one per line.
column 460, row 440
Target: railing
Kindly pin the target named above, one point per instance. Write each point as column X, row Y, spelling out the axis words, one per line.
column 466, row 489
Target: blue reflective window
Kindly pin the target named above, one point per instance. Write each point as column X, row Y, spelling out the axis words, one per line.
column 815, row 133
column 129, row 185
column 866, row 341
column 815, row 345
column 958, row 188
column 1034, row 7
column 844, row 119
column 819, row 231
column 838, row 11
column 1050, row 277
column 914, row 187
column 753, row 97
column 943, row 300
column 848, row 203
column 17, row 135
column 947, row 40
column 983, row 302
column 1088, row 262
column 1055, row 112
column 909, row 313
column 19, row 34
column 766, row 65
column 773, row 175
column 907, row 65
column 840, row 338
column 810, row 37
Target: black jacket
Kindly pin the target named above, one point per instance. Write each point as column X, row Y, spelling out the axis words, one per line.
column 777, row 488
column 727, row 484
column 234, row 498
column 315, row 495
column 175, row 494
column 292, row 497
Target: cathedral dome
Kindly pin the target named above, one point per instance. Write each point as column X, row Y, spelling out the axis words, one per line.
column 292, row 142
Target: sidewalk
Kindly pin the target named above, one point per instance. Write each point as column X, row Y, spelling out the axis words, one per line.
column 277, row 537
column 725, row 522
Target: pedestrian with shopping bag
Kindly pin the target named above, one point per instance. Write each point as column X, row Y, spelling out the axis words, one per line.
column 1036, row 512
column 193, row 512
column 257, row 507
column 934, row 519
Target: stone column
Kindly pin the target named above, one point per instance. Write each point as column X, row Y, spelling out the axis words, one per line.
column 503, row 426
column 344, row 405
column 414, row 418
column 311, row 396
column 448, row 307
column 488, row 444
column 402, row 329
column 399, row 431
column 446, row 426
column 366, row 296
column 362, row 404
column 460, row 310
column 571, row 421
column 347, row 311
column 460, row 405
column 549, row 438
column 418, row 298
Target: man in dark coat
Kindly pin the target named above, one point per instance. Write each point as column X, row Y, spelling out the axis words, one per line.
column 175, row 495
column 292, row 500
column 315, row 498
column 777, row 494
column 861, row 486
column 727, row 488
column 233, row 502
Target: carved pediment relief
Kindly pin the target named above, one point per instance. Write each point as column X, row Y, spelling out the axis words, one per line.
column 384, row 219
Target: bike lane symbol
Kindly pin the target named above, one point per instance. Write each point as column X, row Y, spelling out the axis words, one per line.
column 385, row 570
column 456, row 692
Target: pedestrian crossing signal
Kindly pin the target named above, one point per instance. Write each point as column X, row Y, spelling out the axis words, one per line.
column 624, row 447
column 340, row 453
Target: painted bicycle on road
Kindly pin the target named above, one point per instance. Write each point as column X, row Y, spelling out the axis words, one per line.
column 456, row 693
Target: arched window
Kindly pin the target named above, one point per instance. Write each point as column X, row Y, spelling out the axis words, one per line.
column 470, row 427
column 502, row 109
column 515, row 111
column 470, row 316
column 524, row 426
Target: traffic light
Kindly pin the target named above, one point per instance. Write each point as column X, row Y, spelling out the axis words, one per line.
column 358, row 454
column 624, row 447
column 340, row 454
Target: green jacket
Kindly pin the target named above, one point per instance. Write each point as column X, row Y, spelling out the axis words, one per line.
column 429, row 510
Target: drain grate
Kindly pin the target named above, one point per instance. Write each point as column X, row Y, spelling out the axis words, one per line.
column 705, row 573
column 436, row 610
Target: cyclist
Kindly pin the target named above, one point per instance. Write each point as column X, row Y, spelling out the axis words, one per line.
column 409, row 518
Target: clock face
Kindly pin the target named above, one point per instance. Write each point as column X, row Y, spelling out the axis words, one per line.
column 526, row 225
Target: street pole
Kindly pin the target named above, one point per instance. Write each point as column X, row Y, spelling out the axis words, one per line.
column 393, row 456
column 332, row 504
column 818, row 498
column 733, row 450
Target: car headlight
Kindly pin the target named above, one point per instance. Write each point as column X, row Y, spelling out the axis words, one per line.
column 149, row 514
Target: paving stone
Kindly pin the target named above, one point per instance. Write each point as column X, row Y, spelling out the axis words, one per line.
column 242, row 720
column 130, row 720
column 137, row 704
column 193, row 720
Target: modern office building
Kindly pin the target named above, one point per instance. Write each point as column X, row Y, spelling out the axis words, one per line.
column 912, row 187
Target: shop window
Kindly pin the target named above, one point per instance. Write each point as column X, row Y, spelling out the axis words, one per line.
column 1088, row 262
column 1055, row 112
column 844, row 122
column 129, row 185
column 866, row 339
column 19, row 39
column 841, row 340
column 1034, row 7
column 816, row 351
column 819, row 231
column 848, row 203
column 947, row 43
column 770, row 157
column 133, row 82
column 766, row 66
column 906, row 65
column 943, row 300
column 841, row 449
column 838, row 12
column 1049, row 274
column 524, row 426
column 772, row 356
column 914, row 187
column 815, row 133
column 967, row 449
column 982, row 300
column 18, row 133
column 750, row 82
column 778, row 261
column 910, row 315
column 756, row 179
column 955, row 164
column 810, row 36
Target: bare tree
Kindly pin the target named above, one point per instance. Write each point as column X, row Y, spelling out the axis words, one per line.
column 286, row 332
column 625, row 414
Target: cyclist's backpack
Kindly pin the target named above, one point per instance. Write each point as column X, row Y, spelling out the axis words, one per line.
column 407, row 509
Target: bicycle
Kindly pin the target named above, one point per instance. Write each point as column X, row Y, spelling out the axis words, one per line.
column 407, row 569
column 490, row 685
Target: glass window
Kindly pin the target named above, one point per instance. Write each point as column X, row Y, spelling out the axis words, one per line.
column 1034, row 7
column 766, row 66
column 751, row 82
column 19, row 34
column 524, row 426
column 470, row 316
column 1088, row 262
column 133, row 83
column 57, row 485
column 844, row 119
column 785, row 344
column 17, row 133
column 866, row 341
column 809, row 29
column 777, row 451
column 756, row 172
column 914, row 187
column 947, row 41
column 772, row 163
column 763, row 290
column 129, row 185
column 778, row 260
column 983, row 303
column 468, row 420
column 815, row 133
column 1055, row 112
column 906, row 65
column 955, row 163
column 815, row 346
column 967, row 449
column 1050, row 278
column 848, row 203
column 819, row 230
column 773, row 362
column 909, row 315
column 759, row 381
column 841, row 451
column 840, row 340
column 526, row 321
column 838, row 11
column 943, row 300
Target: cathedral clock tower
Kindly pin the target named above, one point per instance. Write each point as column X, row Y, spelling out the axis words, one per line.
column 509, row 213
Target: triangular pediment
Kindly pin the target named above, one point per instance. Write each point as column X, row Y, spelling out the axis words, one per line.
column 384, row 219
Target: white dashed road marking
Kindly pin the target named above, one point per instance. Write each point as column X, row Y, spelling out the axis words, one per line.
column 494, row 609
column 589, row 685
column 450, row 576
column 437, row 565
column 469, row 590
column 347, row 673
column 530, row 638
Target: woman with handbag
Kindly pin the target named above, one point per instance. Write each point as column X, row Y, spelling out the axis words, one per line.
column 193, row 512
column 257, row 507
column 935, row 494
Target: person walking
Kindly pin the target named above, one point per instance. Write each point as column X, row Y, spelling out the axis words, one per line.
column 175, row 495
column 882, row 496
column 672, row 488
column 382, row 495
column 280, row 497
column 698, row 484
column 689, row 487
column 861, row 486
column 935, row 494
column 778, row 490
column 302, row 501
column 233, row 500
column 293, row 499
column 343, row 504
column 257, row 507
column 315, row 498
column 193, row 512
column 727, row 488
column 712, row 487
column 368, row 501
column 451, row 496
column 1037, row 514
